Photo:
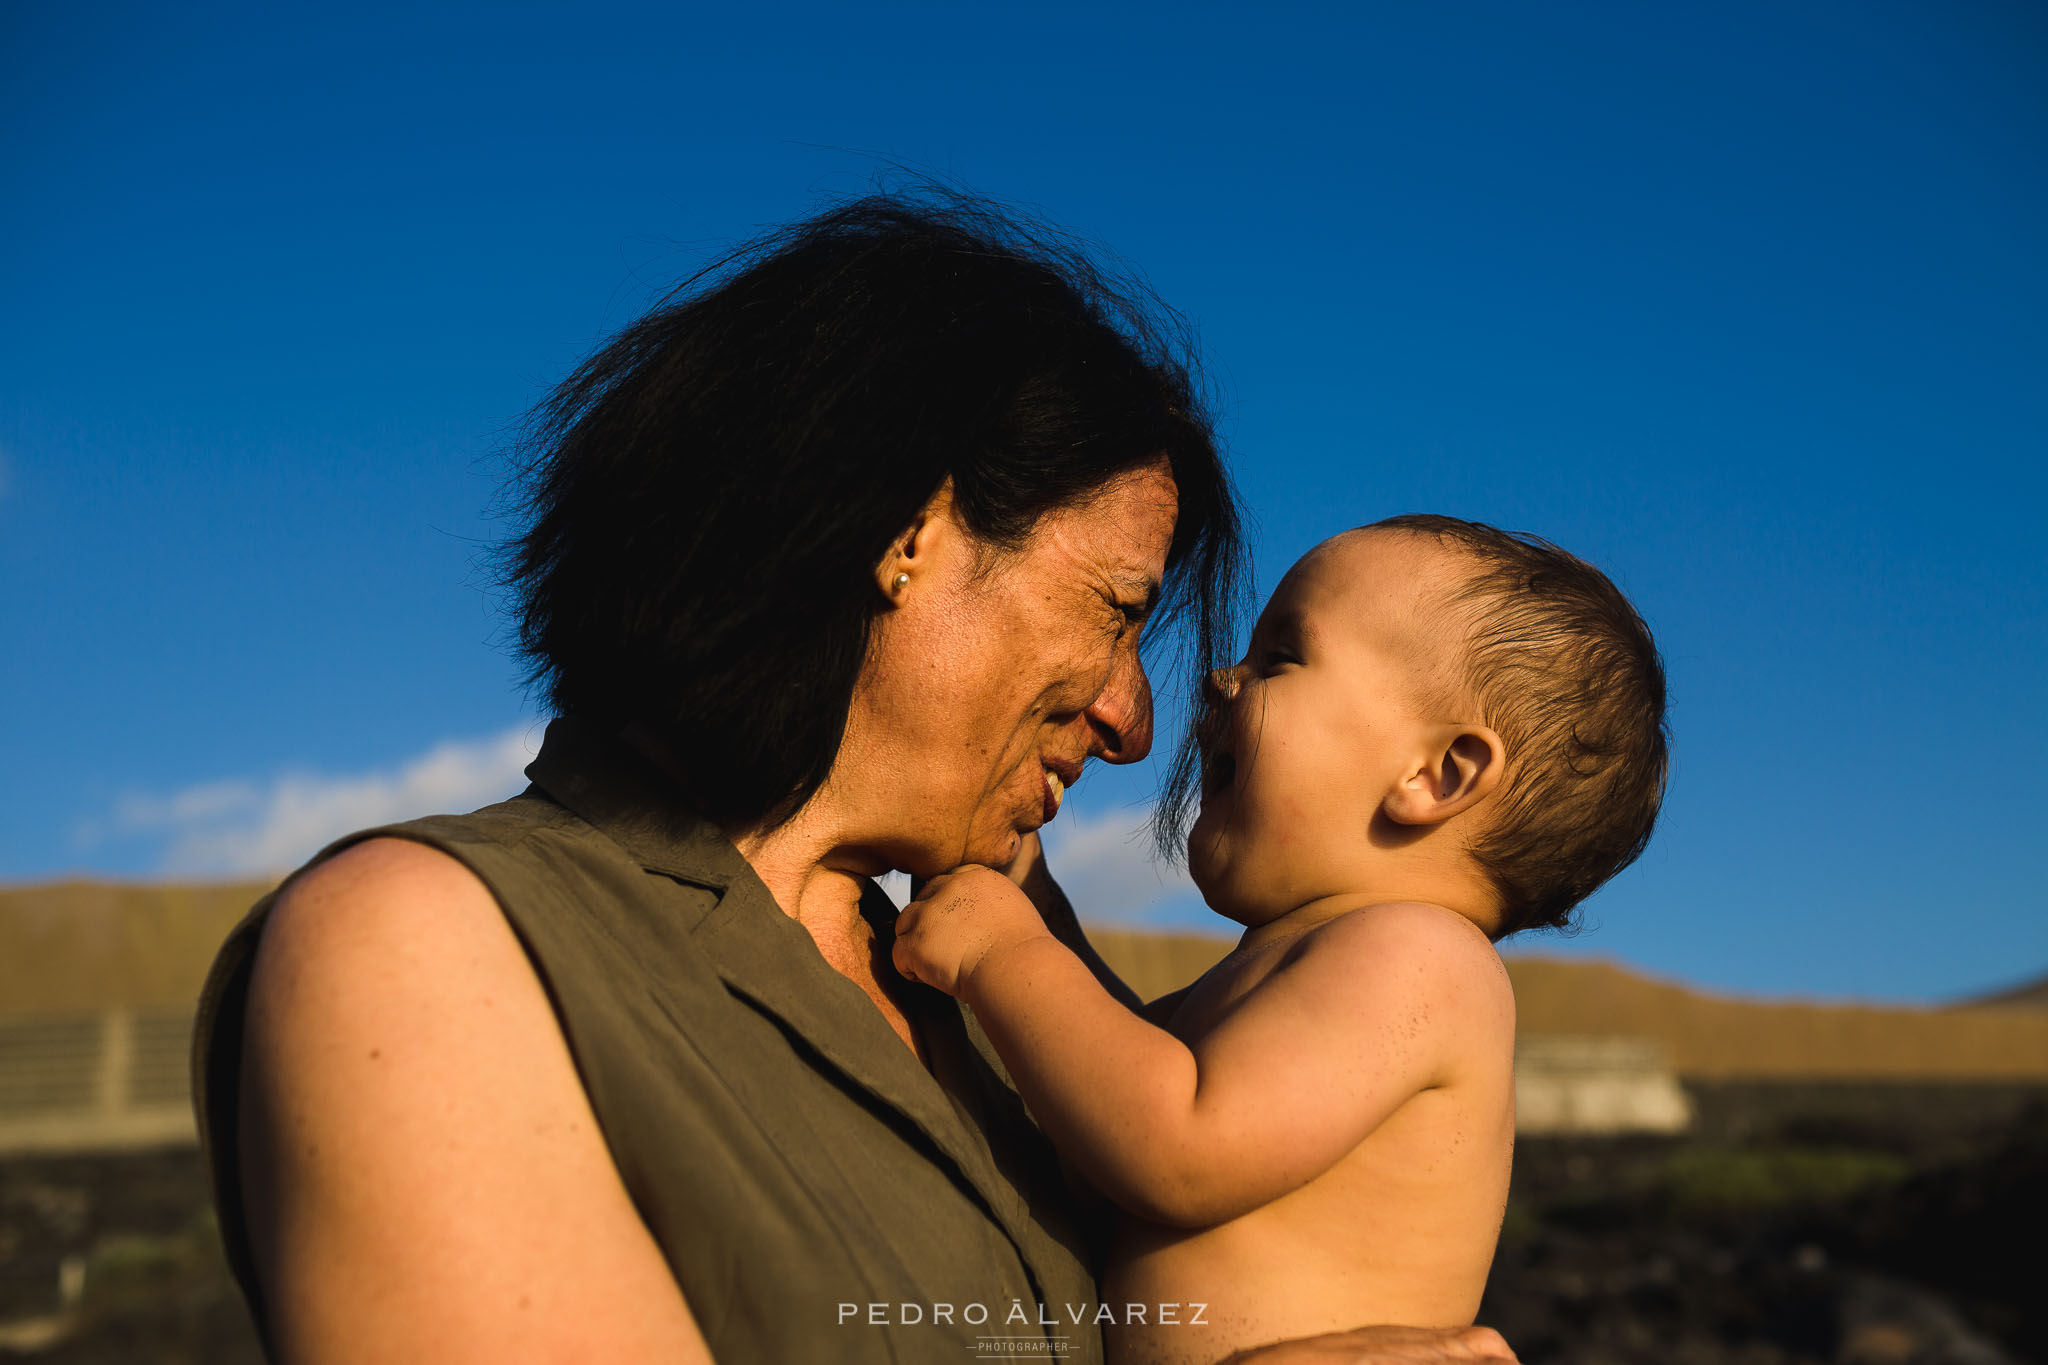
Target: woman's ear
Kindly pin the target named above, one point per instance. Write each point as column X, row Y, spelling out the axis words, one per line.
column 1463, row 767
column 916, row 547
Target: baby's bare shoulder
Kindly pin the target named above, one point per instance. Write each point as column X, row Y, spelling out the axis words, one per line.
column 1411, row 948
column 1408, row 927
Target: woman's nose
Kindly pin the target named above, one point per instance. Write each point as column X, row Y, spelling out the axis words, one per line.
column 1120, row 717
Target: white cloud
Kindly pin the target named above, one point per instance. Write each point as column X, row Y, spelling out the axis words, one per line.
column 246, row 827
column 192, row 806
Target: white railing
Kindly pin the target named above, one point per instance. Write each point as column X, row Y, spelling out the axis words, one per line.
column 108, row 1081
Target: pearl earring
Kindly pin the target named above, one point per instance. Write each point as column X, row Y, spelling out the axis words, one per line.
column 902, row 581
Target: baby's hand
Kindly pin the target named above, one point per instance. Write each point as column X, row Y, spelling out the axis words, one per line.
column 958, row 920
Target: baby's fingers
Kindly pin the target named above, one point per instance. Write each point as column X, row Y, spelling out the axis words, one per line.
column 1386, row 1346
column 905, row 960
column 906, row 935
column 1486, row 1344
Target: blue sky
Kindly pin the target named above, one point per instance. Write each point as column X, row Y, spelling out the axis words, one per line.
column 1746, row 302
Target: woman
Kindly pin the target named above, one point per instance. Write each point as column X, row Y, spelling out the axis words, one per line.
column 836, row 565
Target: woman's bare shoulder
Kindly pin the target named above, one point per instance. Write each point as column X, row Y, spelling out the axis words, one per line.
column 372, row 885
column 378, row 897
column 414, row 1135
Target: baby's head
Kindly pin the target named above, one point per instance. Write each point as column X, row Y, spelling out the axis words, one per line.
column 1432, row 709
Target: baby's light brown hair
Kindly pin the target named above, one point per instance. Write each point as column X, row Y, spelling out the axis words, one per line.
column 1565, row 671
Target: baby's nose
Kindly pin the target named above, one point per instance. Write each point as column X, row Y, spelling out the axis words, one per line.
column 1220, row 687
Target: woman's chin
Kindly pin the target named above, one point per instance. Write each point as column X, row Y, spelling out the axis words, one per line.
column 997, row 849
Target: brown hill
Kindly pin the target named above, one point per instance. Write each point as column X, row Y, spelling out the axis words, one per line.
column 80, row 946
column 1722, row 1038
column 2032, row 995
column 76, row 946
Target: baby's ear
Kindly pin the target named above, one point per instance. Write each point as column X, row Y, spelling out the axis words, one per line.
column 1462, row 767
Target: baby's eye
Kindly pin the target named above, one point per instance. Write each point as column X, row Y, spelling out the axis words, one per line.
column 1278, row 658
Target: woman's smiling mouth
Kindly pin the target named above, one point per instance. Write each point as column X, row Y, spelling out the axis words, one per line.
column 1056, row 784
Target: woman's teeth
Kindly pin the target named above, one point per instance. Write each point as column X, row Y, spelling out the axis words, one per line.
column 1056, row 787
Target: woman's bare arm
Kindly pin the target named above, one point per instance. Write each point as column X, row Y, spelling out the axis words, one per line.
column 423, row 1175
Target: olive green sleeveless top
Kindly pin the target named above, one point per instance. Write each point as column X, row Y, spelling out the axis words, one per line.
column 819, row 1195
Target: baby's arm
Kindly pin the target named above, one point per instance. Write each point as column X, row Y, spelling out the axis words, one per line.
column 1367, row 1010
column 1030, row 872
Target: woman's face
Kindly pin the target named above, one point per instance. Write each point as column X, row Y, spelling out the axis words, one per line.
column 997, row 674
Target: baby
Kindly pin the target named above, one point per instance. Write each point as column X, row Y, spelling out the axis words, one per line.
column 1440, row 735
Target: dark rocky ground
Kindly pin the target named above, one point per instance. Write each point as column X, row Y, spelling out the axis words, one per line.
column 138, row 1236
column 1829, row 1231
column 1878, row 1227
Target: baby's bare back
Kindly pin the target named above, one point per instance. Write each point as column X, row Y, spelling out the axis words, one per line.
column 1400, row 1230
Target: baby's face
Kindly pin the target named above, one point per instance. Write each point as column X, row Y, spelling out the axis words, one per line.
column 1325, row 714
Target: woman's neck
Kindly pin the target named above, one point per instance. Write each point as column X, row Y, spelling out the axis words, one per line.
column 796, row 860
column 819, row 884
column 813, row 878
column 817, row 878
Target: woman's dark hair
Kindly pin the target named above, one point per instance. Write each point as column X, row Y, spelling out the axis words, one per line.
column 707, row 497
column 1566, row 671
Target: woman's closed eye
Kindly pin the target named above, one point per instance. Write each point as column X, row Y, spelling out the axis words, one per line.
column 1131, row 616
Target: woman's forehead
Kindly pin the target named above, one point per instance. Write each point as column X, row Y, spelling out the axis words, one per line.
column 1125, row 528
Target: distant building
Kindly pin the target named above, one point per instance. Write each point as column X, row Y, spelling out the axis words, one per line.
column 1590, row 1084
